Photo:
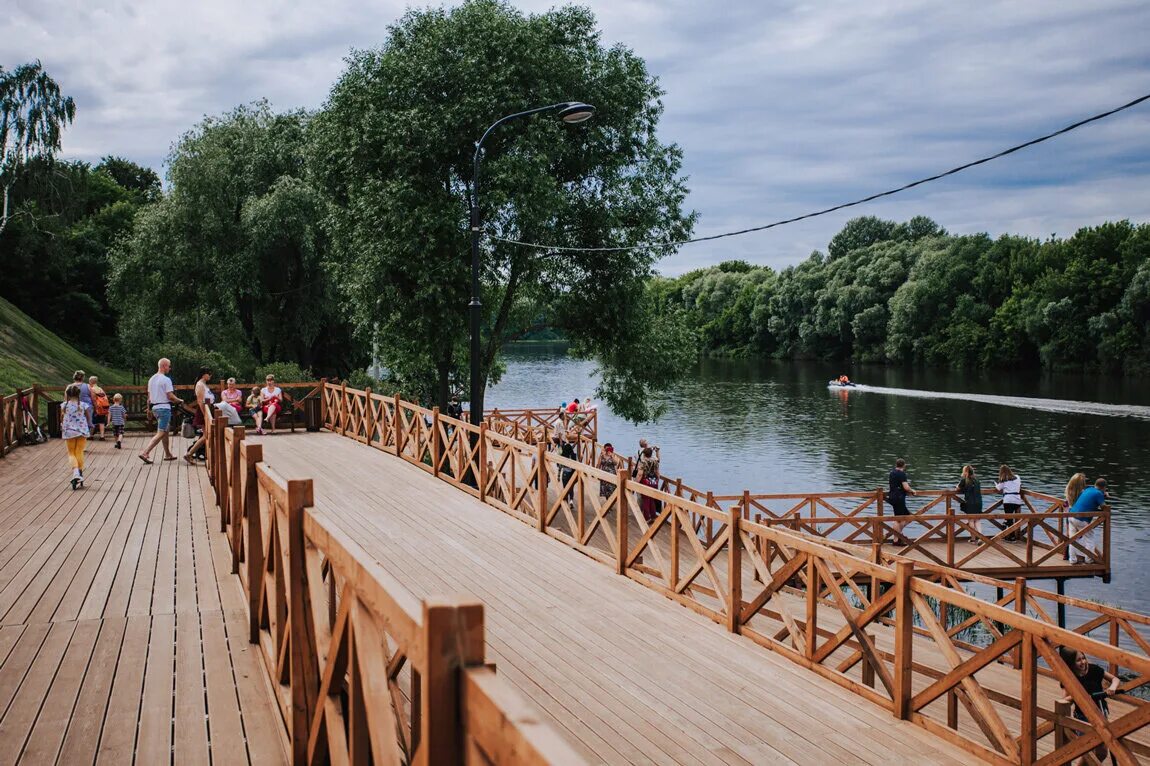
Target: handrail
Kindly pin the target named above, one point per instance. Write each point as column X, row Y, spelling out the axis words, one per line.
column 852, row 620
column 363, row 671
column 16, row 428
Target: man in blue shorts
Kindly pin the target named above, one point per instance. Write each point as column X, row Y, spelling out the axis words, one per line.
column 161, row 397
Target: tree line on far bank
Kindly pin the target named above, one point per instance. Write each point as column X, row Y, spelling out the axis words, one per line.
column 910, row 293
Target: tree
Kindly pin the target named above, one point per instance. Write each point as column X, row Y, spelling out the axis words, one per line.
column 141, row 181
column 393, row 147
column 232, row 259
column 32, row 114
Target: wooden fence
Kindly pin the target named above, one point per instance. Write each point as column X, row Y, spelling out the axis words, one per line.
column 363, row 671
column 901, row 634
column 533, row 425
column 15, row 427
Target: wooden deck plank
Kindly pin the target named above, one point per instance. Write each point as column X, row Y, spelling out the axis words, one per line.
column 52, row 723
column 82, row 739
column 154, row 739
column 120, row 725
column 191, row 728
column 21, row 715
column 228, row 744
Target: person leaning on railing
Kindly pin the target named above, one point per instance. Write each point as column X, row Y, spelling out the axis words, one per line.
column 1010, row 485
column 1084, row 502
column 969, row 492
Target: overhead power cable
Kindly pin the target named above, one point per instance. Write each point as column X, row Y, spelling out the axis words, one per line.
column 871, row 198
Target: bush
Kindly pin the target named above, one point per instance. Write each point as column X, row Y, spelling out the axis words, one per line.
column 285, row 372
column 187, row 361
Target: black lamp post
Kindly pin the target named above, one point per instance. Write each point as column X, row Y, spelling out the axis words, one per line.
column 571, row 112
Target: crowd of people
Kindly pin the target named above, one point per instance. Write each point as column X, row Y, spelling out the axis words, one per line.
column 1081, row 501
column 87, row 412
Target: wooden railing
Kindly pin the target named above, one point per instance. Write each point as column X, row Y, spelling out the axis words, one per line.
column 15, row 428
column 363, row 671
column 531, row 425
column 894, row 631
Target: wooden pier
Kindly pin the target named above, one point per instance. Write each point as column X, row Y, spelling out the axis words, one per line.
column 410, row 589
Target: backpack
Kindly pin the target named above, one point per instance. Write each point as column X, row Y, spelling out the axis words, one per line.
column 102, row 404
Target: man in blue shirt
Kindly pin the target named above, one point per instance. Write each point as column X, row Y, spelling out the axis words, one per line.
column 1090, row 501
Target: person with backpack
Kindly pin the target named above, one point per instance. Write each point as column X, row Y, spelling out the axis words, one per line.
column 100, row 405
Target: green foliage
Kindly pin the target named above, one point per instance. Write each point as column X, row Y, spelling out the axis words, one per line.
column 284, row 372
column 30, row 353
column 55, row 249
column 393, row 149
column 232, row 258
column 911, row 293
column 187, row 361
column 33, row 114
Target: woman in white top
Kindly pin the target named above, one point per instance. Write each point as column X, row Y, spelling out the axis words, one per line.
column 272, row 398
column 1010, row 485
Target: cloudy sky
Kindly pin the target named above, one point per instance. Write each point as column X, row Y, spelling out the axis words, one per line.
column 780, row 107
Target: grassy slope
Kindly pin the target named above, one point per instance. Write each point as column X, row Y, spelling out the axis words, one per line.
column 30, row 353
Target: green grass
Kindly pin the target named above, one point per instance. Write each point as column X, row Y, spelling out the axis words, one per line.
column 30, row 353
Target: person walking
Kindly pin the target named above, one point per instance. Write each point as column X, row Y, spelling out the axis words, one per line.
column 899, row 488
column 85, row 393
column 1010, row 485
column 205, row 400
column 161, row 397
column 1096, row 682
column 75, row 431
column 969, row 491
column 100, row 405
column 648, row 474
column 118, row 415
column 610, row 462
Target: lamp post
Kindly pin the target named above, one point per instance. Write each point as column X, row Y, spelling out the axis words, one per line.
column 571, row 112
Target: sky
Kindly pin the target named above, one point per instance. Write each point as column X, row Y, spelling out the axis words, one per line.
column 781, row 108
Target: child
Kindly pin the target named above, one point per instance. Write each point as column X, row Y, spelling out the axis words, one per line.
column 255, row 409
column 74, row 424
column 118, row 415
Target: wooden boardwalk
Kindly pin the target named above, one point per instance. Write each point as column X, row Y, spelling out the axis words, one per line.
column 123, row 633
column 629, row 676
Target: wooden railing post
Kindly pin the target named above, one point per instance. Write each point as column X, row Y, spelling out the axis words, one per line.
column 1028, row 729
column 812, row 616
column 482, row 460
column 903, row 639
column 541, row 486
column 436, row 442
column 397, row 423
column 323, row 401
column 734, row 567
column 1020, row 608
column 252, row 455
column 235, row 498
column 621, row 515
column 343, row 409
column 368, row 414
column 304, row 666
column 1061, row 712
column 452, row 640
column 950, row 524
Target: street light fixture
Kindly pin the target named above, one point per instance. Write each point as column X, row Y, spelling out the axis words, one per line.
column 572, row 113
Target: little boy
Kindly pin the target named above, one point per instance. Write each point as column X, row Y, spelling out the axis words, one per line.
column 117, row 415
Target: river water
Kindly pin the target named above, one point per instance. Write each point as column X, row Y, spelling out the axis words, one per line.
column 775, row 427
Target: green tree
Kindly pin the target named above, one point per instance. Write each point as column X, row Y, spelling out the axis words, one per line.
column 232, row 258
column 33, row 113
column 393, row 147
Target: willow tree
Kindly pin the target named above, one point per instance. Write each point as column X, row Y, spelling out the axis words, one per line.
column 393, row 146
column 33, row 113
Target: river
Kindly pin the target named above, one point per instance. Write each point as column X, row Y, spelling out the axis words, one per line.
column 771, row 426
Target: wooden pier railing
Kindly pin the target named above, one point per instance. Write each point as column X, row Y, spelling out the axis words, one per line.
column 896, row 632
column 15, row 427
column 533, row 425
column 363, row 671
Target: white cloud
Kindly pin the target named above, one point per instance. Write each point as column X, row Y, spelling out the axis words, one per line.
column 780, row 107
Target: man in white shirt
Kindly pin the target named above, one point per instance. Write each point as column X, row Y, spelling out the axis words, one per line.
column 161, row 397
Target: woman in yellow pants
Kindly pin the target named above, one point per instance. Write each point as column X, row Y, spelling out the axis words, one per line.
column 75, row 430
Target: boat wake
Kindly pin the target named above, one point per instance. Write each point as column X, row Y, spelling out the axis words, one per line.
column 1068, row 406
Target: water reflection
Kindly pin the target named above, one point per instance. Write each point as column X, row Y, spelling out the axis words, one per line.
column 776, row 427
